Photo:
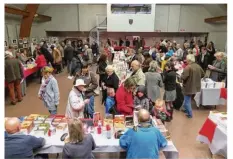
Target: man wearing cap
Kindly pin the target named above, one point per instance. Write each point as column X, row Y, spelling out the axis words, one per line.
column 13, row 76
column 76, row 103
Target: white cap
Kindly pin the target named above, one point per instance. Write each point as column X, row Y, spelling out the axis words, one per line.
column 79, row 82
column 8, row 54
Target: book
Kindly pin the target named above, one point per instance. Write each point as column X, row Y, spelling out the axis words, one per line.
column 119, row 121
column 135, row 118
column 26, row 127
column 96, row 118
column 129, row 122
column 40, row 119
column 108, row 120
column 42, row 129
column 34, row 116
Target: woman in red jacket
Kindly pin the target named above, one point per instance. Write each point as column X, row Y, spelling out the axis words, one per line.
column 124, row 97
column 41, row 62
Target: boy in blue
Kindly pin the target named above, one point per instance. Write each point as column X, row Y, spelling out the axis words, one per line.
column 143, row 141
column 110, row 100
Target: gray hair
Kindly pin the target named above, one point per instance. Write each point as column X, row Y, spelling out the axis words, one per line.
column 153, row 66
column 109, row 68
column 190, row 58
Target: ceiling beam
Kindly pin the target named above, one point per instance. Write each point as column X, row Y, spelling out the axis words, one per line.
column 216, row 19
column 39, row 17
column 16, row 11
column 26, row 22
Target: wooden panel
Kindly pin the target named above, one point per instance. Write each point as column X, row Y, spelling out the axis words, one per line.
column 216, row 19
column 16, row 11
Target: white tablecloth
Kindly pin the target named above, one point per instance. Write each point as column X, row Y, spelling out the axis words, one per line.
column 218, row 146
column 103, row 145
column 209, row 96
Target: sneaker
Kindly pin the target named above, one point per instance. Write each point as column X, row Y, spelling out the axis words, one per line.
column 70, row 77
column 189, row 116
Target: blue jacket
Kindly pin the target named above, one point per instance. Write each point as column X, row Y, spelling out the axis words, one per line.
column 143, row 143
column 110, row 101
column 170, row 53
column 21, row 146
column 52, row 94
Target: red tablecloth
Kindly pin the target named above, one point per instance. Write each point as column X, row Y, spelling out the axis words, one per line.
column 27, row 73
column 122, row 47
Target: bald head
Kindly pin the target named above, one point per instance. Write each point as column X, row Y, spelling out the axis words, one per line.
column 12, row 125
column 135, row 65
column 143, row 116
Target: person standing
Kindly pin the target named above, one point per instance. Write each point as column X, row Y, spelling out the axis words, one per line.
column 211, row 50
column 102, row 64
column 137, row 74
column 44, row 50
column 127, row 43
column 121, row 42
column 49, row 91
column 13, row 76
column 170, row 86
column 60, row 48
column 41, row 62
column 76, row 101
column 202, row 59
column 57, row 59
column 68, row 54
column 91, row 84
column 191, row 77
column 218, row 68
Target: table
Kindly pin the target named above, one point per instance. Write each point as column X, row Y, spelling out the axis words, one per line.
column 104, row 147
column 211, row 96
column 214, row 133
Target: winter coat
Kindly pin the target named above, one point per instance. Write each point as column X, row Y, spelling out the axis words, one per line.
column 48, row 56
column 144, row 102
column 110, row 101
column 75, row 104
column 52, row 95
column 56, row 55
column 111, row 81
column 216, row 74
column 191, row 77
column 124, row 100
column 41, row 61
column 169, row 80
column 69, row 53
column 153, row 84
column 139, row 77
column 76, row 65
column 13, row 70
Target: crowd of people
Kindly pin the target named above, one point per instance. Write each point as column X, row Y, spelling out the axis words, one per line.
column 151, row 71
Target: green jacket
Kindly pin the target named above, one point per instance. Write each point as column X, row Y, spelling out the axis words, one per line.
column 13, row 70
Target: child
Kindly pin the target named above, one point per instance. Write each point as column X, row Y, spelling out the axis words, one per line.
column 170, row 86
column 160, row 111
column 110, row 101
column 49, row 92
column 140, row 100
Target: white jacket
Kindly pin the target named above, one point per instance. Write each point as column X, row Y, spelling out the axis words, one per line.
column 75, row 105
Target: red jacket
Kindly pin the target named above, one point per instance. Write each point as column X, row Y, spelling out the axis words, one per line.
column 41, row 61
column 124, row 101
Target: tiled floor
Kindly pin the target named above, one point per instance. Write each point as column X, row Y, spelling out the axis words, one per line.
column 183, row 130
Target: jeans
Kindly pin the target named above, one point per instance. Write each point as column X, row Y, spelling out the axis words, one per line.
column 53, row 112
column 187, row 105
column 68, row 66
column 90, row 108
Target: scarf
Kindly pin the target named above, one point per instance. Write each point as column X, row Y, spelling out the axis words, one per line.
column 44, row 85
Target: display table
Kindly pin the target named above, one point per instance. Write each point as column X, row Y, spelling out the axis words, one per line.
column 118, row 48
column 214, row 133
column 211, row 94
column 104, row 147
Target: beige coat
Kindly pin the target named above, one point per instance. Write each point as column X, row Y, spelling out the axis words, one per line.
column 139, row 77
column 192, row 79
column 56, row 55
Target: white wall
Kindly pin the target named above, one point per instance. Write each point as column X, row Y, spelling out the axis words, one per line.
column 12, row 29
column 141, row 22
column 64, row 18
column 87, row 15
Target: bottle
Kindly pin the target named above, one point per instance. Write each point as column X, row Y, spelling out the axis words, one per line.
column 99, row 127
column 108, row 132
